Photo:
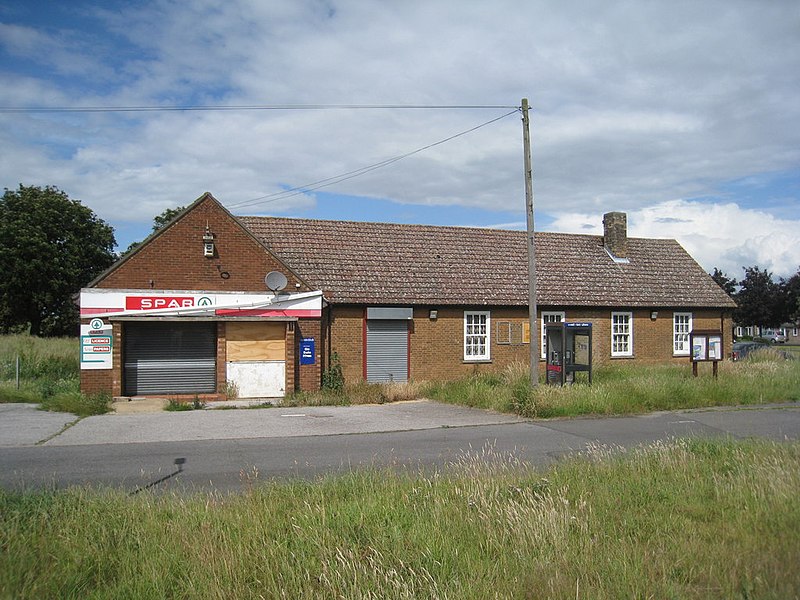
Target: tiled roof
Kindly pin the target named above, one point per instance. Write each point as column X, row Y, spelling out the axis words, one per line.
column 385, row 263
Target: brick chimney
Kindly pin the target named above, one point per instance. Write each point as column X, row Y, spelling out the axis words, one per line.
column 615, row 234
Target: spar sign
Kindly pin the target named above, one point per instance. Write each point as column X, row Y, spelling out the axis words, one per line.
column 108, row 303
column 161, row 302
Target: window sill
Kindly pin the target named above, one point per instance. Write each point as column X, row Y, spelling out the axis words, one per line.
column 477, row 361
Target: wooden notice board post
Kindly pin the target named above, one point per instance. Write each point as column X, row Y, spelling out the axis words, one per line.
column 706, row 345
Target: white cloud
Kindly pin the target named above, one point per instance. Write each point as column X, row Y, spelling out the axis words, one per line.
column 716, row 235
column 634, row 104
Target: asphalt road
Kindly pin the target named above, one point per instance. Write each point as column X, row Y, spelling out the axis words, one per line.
column 305, row 443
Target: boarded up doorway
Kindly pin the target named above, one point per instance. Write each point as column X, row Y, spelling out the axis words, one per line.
column 256, row 358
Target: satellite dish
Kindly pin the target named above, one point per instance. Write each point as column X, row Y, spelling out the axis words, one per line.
column 275, row 281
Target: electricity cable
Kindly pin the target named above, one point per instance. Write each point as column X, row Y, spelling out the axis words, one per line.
column 211, row 108
column 315, row 185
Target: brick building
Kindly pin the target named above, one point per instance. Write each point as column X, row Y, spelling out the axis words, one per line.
column 189, row 311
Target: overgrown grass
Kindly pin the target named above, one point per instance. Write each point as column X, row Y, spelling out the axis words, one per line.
column 618, row 389
column 49, row 375
column 793, row 350
column 360, row 392
column 688, row 519
column 174, row 405
column 50, row 359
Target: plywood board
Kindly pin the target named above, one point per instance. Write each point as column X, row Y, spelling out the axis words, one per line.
column 262, row 379
column 255, row 341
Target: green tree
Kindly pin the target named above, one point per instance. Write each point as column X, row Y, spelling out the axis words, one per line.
column 791, row 292
column 726, row 283
column 50, row 247
column 760, row 299
column 159, row 222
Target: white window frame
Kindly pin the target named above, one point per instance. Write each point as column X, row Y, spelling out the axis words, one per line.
column 480, row 336
column 550, row 316
column 681, row 328
column 622, row 333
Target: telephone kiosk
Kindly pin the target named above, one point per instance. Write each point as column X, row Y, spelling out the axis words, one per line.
column 568, row 349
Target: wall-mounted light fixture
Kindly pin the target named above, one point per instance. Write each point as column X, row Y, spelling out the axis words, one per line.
column 208, row 243
column 434, row 314
column 653, row 315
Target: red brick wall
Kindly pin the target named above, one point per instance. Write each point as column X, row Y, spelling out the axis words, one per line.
column 222, row 359
column 96, row 381
column 437, row 347
column 309, row 377
column 174, row 259
column 346, row 325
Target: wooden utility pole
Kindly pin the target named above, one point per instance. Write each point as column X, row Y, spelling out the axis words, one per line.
column 534, row 338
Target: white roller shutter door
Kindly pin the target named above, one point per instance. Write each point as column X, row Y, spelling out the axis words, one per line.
column 387, row 350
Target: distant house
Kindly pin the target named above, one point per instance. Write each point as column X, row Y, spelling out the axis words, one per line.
column 189, row 312
column 789, row 331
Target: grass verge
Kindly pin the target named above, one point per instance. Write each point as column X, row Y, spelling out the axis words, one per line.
column 687, row 519
column 762, row 378
column 49, row 375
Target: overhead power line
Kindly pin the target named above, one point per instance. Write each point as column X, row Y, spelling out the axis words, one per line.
column 247, row 107
column 302, row 189
column 315, row 185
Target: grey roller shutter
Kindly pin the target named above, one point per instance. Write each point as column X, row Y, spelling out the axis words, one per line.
column 387, row 351
column 170, row 358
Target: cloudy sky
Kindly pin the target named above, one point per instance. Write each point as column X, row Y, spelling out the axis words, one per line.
column 686, row 115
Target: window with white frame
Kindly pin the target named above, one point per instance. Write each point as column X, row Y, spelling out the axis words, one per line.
column 550, row 317
column 476, row 335
column 621, row 334
column 681, row 327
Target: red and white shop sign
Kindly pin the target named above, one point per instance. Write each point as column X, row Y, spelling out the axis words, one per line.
column 97, row 302
column 159, row 302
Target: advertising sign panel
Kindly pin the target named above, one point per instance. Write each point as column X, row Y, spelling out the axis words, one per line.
column 308, row 354
column 97, row 342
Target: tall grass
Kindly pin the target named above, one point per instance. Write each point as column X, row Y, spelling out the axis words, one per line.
column 620, row 389
column 688, row 519
column 361, row 392
column 49, row 375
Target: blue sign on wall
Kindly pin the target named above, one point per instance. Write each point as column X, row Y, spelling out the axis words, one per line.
column 308, row 355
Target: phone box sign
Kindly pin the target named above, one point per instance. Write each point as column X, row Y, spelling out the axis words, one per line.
column 156, row 302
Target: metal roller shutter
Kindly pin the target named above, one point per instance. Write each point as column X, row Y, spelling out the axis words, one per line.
column 170, row 358
column 387, row 351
